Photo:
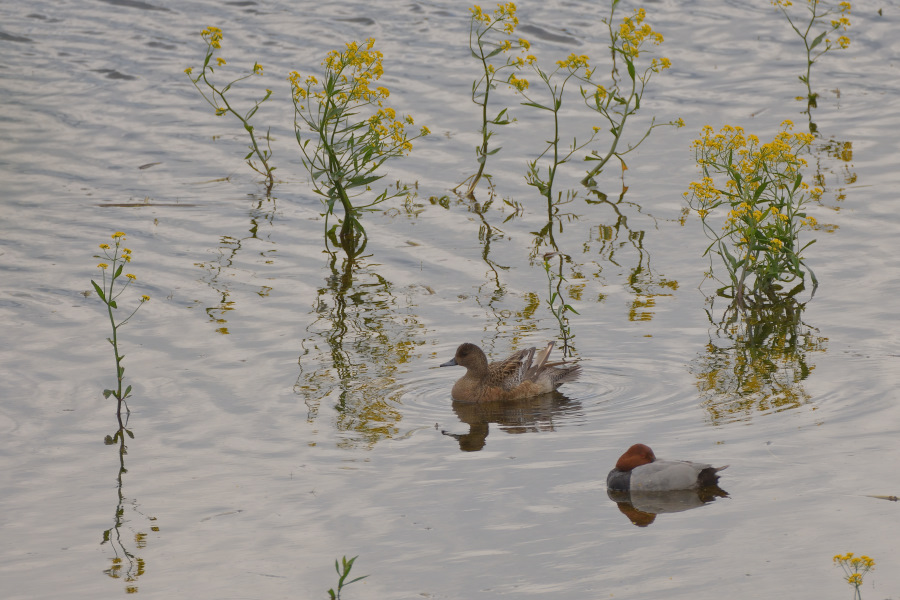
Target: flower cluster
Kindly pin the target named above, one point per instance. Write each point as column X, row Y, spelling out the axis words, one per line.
column 764, row 192
column 634, row 32
column 350, row 77
column 213, row 36
column 118, row 255
column 854, row 567
column 504, row 17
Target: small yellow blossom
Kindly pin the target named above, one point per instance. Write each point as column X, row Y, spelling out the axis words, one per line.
column 103, row 265
column 130, row 276
column 189, row 70
column 519, row 83
column 145, row 298
column 104, row 246
column 220, row 61
column 118, row 235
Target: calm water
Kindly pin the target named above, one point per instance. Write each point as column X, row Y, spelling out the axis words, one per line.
column 285, row 415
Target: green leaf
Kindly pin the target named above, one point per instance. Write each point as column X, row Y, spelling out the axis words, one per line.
column 112, row 304
column 98, row 290
column 108, row 393
column 536, row 105
column 818, row 40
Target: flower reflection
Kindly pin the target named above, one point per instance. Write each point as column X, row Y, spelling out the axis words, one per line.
column 357, row 343
column 757, row 362
column 539, row 413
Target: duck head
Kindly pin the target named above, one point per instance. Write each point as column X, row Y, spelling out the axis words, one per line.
column 637, row 455
column 469, row 356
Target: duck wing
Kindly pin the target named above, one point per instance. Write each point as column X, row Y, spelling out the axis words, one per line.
column 510, row 372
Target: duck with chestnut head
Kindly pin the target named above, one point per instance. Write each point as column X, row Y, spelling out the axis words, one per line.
column 639, row 470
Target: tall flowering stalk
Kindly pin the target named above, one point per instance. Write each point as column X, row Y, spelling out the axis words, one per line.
column 554, row 82
column 109, row 290
column 216, row 98
column 759, row 237
column 622, row 98
column 855, row 568
column 346, row 134
column 490, row 36
column 614, row 102
column 835, row 20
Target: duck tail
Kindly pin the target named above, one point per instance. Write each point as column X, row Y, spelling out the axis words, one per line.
column 563, row 375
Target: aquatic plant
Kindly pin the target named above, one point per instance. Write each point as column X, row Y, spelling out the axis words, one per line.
column 855, row 568
column 109, row 292
column 819, row 12
column 615, row 101
column 490, row 35
column 215, row 96
column 575, row 66
column 756, row 362
column 346, row 149
column 343, row 571
column 622, row 98
column 759, row 238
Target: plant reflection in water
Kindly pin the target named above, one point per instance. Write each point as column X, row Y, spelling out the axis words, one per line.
column 756, row 362
column 357, row 343
column 219, row 270
column 125, row 564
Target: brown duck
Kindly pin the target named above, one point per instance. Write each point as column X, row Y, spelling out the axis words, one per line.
column 522, row 375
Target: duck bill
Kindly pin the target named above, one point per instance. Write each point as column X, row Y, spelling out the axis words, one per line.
column 450, row 363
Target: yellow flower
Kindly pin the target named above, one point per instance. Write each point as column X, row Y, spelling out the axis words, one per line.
column 104, row 246
column 524, row 43
column 189, row 70
column 257, row 68
column 145, row 298
column 220, row 61
column 425, row 131
column 118, row 235
column 130, row 276
column 103, row 265
column 220, row 112
column 519, row 83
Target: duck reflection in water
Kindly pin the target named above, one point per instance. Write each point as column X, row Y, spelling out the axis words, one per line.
column 538, row 413
column 641, row 508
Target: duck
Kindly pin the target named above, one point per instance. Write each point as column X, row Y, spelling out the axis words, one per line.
column 523, row 375
column 639, row 470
